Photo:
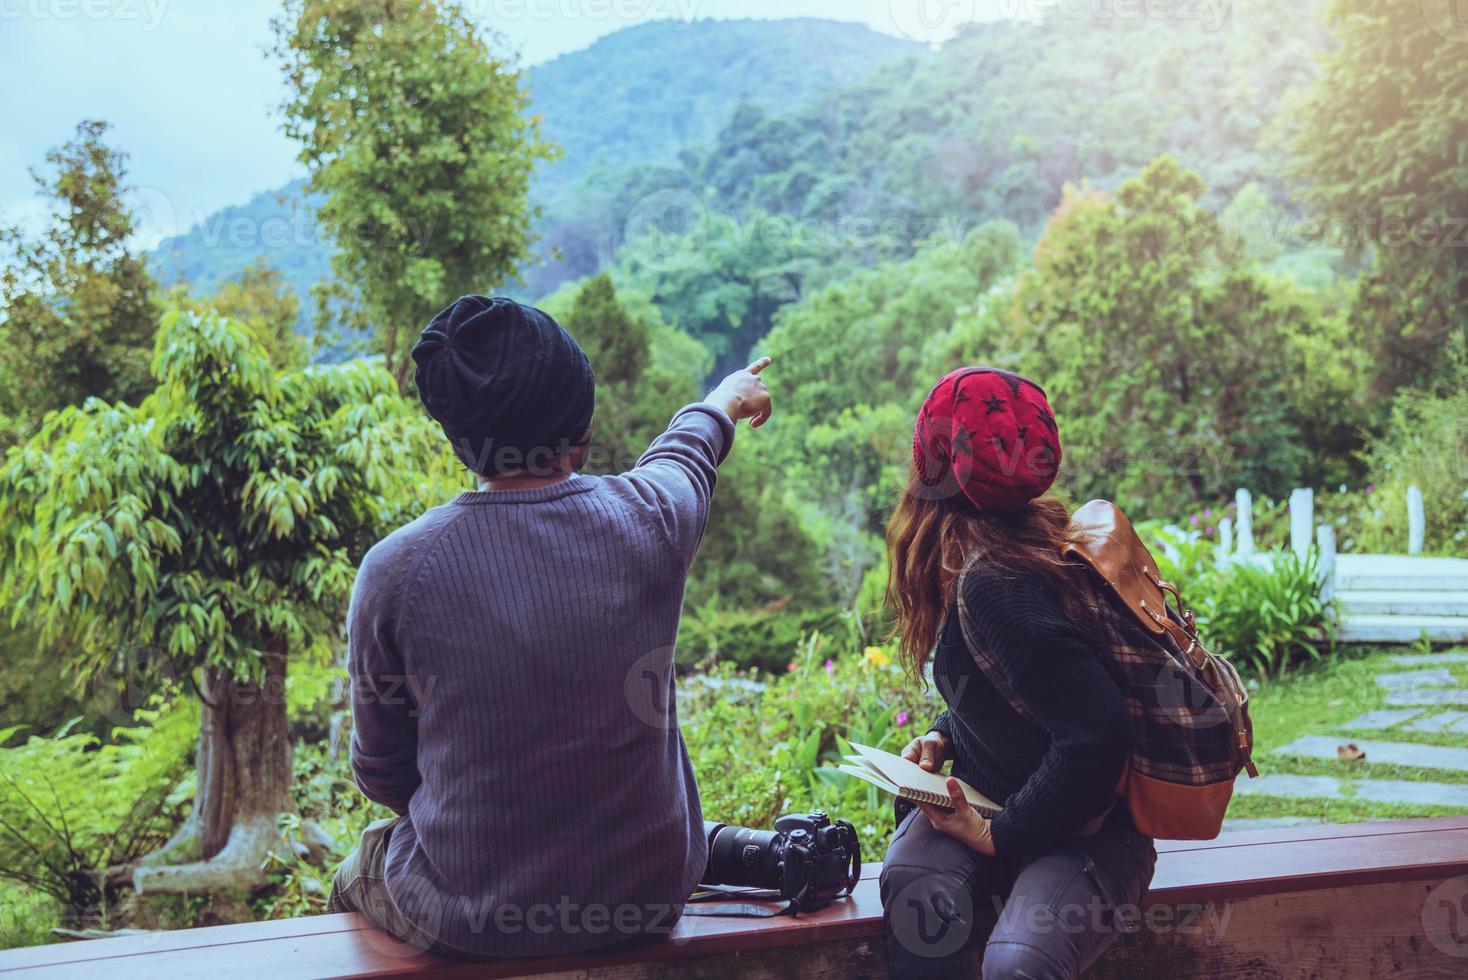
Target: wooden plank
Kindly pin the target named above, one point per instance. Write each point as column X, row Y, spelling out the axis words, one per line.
column 1305, row 865
column 346, row 945
column 1333, row 863
column 156, row 942
column 1328, row 831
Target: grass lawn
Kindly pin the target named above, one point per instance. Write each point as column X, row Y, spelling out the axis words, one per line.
column 1317, row 701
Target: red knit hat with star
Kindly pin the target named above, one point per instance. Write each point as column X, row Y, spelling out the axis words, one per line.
column 989, row 434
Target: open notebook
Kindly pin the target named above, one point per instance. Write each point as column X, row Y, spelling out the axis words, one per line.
column 909, row 780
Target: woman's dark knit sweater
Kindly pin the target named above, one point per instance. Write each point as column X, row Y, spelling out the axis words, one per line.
column 1056, row 770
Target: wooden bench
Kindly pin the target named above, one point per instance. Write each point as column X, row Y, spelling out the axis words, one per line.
column 1322, row 901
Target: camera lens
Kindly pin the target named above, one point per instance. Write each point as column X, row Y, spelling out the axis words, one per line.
column 740, row 856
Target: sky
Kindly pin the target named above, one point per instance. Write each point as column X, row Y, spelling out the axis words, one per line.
column 193, row 97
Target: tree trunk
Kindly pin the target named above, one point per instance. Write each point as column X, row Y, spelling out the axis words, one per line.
column 244, row 777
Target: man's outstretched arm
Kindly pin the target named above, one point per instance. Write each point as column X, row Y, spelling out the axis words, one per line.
column 678, row 472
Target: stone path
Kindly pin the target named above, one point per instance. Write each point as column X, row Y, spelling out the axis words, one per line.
column 1373, row 790
column 1397, row 598
column 1454, row 722
column 1436, row 677
column 1381, row 718
column 1423, row 659
column 1395, row 753
column 1428, row 695
column 1423, row 696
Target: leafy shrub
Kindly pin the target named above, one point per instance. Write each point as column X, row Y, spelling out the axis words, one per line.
column 766, row 746
column 1425, row 444
column 71, row 806
column 756, row 638
column 1265, row 616
column 27, row 915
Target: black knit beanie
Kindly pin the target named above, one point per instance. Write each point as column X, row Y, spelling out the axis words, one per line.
column 511, row 388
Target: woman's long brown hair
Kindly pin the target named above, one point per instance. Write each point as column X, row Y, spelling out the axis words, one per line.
column 932, row 538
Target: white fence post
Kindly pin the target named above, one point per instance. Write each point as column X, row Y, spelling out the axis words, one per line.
column 1325, row 540
column 1416, row 521
column 1302, row 519
column 1225, row 548
column 1245, row 518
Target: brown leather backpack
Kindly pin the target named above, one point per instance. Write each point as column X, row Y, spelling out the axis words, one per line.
column 1191, row 734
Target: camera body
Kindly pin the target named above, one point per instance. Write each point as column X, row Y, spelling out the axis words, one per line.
column 810, row 859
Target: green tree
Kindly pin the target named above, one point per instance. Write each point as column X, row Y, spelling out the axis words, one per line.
column 414, row 130
column 721, row 278
column 1380, row 150
column 262, row 299
column 1175, row 373
column 218, row 523
column 645, row 369
column 76, row 303
column 852, row 361
column 864, row 341
column 754, row 551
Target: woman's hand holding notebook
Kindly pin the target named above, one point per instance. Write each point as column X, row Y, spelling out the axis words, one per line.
column 909, row 780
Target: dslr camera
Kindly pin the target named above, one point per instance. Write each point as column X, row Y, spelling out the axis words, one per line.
column 808, row 858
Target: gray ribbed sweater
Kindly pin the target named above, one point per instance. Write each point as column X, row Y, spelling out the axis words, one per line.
column 511, row 660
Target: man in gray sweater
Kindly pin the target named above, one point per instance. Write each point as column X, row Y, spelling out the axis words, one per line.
column 511, row 656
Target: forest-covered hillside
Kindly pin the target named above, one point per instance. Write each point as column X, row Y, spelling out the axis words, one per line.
column 872, row 143
column 610, row 107
column 644, row 94
column 1229, row 250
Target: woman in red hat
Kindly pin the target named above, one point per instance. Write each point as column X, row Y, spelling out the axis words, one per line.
column 1042, row 888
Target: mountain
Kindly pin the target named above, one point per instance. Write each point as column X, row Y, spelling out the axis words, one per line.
column 642, row 94
column 1009, row 112
column 637, row 96
column 865, row 147
column 277, row 226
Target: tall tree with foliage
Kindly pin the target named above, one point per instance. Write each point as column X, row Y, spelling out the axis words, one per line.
column 219, row 523
column 722, row 278
column 645, row 370
column 261, row 298
column 415, row 131
column 1175, row 372
column 77, row 309
column 754, row 550
column 850, row 369
column 1381, row 151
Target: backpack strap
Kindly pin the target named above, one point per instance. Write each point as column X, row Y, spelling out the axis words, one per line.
column 983, row 656
column 1111, row 547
